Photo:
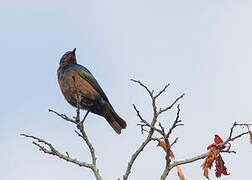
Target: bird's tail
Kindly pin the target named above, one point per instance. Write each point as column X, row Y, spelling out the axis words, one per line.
column 115, row 121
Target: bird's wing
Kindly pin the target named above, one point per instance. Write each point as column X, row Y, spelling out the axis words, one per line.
column 86, row 74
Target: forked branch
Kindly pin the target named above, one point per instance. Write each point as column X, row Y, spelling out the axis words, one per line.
column 48, row 148
column 151, row 125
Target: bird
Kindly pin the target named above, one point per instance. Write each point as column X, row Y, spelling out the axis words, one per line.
column 81, row 89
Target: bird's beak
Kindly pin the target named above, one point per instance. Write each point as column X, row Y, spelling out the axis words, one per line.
column 74, row 51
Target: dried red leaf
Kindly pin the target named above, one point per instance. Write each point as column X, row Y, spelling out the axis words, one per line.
column 211, row 146
column 172, row 155
column 180, row 173
column 163, row 145
column 208, row 163
column 212, row 157
column 206, row 172
column 220, row 167
column 217, row 140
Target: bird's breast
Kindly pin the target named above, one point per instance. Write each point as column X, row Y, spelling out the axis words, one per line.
column 73, row 85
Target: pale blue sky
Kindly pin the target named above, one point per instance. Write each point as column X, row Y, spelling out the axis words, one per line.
column 203, row 48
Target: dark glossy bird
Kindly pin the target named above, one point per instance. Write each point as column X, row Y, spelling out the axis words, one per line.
column 78, row 85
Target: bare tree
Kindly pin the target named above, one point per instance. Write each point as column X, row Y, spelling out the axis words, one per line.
column 149, row 127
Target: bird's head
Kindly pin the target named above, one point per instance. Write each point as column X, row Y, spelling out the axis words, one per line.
column 68, row 58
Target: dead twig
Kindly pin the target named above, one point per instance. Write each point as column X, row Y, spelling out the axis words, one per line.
column 226, row 150
column 152, row 128
column 169, row 107
column 52, row 151
column 81, row 133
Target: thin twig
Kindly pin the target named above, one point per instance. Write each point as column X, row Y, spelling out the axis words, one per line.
column 82, row 134
column 230, row 138
column 85, row 116
column 169, row 107
column 163, row 90
column 150, row 132
column 90, row 146
column 166, row 136
column 144, row 121
column 175, row 123
column 190, row 160
column 135, row 155
column 63, row 116
column 202, row 156
column 53, row 151
column 144, row 86
column 174, row 142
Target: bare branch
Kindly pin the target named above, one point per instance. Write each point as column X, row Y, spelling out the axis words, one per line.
column 81, row 134
column 174, row 142
column 162, row 129
column 144, row 86
column 236, row 137
column 152, row 129
column 53, row 151
column 175, row 123
column 202, row 156
column 142, row 128
column 156, row 139
column 167, row 159
column 90, row 146
column 149, row 127
column 134, row 156
column 150, row 132
column 78, row 133
column 144, row 121
column 169, row 107
column 85, row 116
column 231, row 131
column 190, row 160
column 142, row 146
column 165, row 136
column 168, row 145
column 63, row 116
column 244, row 125
column 230, row 138
column 67, row 154
column 161, row 92
column 227, row 151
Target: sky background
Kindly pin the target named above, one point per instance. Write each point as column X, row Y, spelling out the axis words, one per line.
column 202, row 48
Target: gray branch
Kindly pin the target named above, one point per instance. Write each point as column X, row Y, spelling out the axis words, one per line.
column 52, row 151
column 153, row 128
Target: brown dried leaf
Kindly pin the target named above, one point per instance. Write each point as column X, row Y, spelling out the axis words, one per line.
column 208, row 163
column 180, row 173
column 220, row 167
column 163, row 145
column 218, row 142
column 172, row 155
column 217, row 139
column 211, row 146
